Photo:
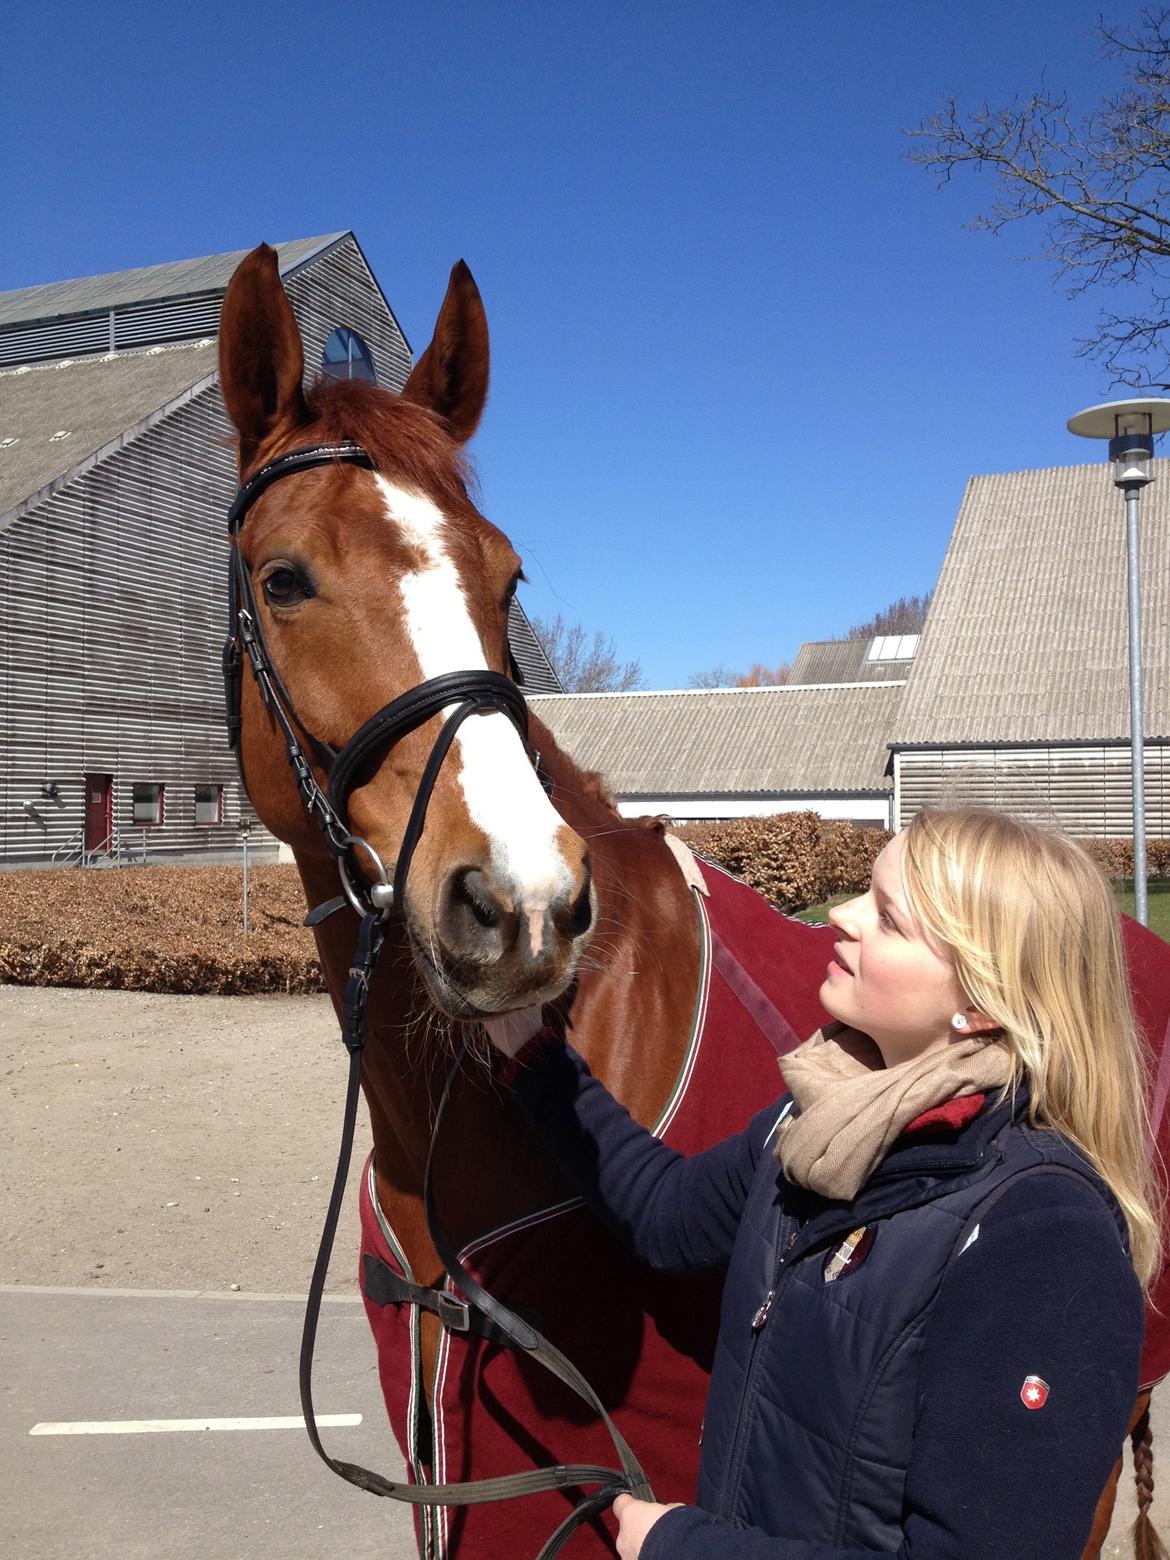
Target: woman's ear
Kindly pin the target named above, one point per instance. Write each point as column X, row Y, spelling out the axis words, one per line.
column 976, row 1022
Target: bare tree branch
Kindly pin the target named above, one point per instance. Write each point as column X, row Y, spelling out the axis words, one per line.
column 1098, row 183
column 720, row 676
column 757, row 676
column 904, row 616
column 584, row 665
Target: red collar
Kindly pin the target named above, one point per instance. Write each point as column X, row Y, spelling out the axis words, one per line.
column 948, row 1117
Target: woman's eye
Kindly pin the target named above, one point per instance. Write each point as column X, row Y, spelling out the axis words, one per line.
column 283, row 587
column 888, row 921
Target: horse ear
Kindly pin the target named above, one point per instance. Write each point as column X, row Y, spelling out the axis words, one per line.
column 451, row 377
column 261, row 359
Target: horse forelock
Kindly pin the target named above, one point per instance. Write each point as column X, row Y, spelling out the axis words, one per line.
column 407, row 442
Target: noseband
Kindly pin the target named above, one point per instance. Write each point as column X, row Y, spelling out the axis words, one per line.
column 463, row 694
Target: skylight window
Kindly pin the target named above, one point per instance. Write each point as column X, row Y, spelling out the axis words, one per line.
column 61, row 433
column 892, row 647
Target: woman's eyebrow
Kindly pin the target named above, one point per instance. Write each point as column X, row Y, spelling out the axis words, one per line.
column 884, row 893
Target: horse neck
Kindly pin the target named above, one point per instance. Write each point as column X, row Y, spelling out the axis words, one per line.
column 629, row 1015
column 631, row 1011
column 409, row 1044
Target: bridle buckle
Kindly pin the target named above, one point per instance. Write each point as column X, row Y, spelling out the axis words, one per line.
column 455, row 1314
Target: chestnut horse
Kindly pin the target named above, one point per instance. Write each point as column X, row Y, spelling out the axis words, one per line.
column 367, row 583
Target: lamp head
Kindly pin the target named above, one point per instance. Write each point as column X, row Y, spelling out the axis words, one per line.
column 1130, row 427
column 1131, row 449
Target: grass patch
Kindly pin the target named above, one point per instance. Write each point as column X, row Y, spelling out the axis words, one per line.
column 821, row 912
column 1158, row 893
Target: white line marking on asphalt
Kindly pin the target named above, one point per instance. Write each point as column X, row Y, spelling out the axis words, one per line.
column 164, row 1426
column 228, row 1296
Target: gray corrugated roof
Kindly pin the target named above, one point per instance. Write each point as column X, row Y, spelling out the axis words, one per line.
column 1026, row 639
column 842, row 660
column 148, row 283
column 703, row 742
column 535, row 666
column 93, row 400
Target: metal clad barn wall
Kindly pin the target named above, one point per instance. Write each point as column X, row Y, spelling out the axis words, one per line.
column 116, row 607
column 337, row 289
column 1084, row 790
column 116, row 604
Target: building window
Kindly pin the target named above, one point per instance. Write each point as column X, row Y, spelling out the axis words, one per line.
column 209, row 804
column 346, row 356
column 148, row 804
column 893, row 647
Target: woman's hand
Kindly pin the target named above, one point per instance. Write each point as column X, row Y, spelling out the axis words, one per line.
column 511, row 1032
column 635, row 1519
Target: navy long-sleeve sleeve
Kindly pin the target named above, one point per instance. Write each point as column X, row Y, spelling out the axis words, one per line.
column 1047, row 1291
column 674, row 1212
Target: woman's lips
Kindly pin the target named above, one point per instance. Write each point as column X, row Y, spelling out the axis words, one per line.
column 838, row 963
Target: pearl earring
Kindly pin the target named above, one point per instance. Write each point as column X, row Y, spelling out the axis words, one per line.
column 959, row 1021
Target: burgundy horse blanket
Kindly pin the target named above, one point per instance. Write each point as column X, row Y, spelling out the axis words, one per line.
column 643, row 1340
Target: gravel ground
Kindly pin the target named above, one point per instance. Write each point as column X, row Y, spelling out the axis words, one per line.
column 187, row 1143
column 159, row 1142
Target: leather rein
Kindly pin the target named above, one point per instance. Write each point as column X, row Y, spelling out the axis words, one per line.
column 376, row 895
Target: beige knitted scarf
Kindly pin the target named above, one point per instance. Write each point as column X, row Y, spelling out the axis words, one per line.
column 852, row 1106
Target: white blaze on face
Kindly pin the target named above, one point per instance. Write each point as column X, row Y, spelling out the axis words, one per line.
column 504, row 798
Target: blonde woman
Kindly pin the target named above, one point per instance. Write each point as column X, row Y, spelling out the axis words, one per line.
column 936, row 1242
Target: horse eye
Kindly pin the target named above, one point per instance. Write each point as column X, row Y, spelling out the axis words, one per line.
column 283, row 587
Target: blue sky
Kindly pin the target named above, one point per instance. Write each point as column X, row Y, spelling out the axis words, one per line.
column 745, row 356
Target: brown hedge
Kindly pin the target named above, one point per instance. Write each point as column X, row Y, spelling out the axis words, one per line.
column 174, row 929
column 178, row 929
column 793, row 859
column 1115, row 857
column 796, row 859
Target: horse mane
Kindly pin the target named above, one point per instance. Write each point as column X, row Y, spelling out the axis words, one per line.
column 594, row 811
column 407, row 442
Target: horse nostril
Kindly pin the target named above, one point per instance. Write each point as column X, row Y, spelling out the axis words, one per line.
column 581, row 918
column 470, row 888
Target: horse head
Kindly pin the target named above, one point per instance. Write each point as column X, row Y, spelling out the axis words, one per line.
column 368, row 583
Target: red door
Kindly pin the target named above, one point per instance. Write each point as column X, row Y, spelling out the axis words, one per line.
column 99, row 811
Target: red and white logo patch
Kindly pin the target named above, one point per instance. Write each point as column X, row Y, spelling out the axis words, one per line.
column 1034, row 1392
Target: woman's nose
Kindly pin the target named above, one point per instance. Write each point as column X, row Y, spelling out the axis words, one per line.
column 844, row 917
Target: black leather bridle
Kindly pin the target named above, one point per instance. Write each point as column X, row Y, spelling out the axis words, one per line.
column 376, row 896
column 471, row 692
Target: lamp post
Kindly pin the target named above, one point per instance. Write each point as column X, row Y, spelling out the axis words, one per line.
column 1130, row 427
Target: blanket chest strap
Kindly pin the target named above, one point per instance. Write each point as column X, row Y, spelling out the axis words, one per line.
column 383, row 1286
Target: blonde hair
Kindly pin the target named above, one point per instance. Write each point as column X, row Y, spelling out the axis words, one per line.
column 1030, row 924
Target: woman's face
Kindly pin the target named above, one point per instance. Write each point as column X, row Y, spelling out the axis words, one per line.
column 885, row 978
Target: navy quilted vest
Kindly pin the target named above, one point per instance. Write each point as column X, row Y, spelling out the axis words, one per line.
column 811, row 1410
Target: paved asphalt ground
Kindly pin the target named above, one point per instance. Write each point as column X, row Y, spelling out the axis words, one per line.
column 156, row 1151
column 232, row 1494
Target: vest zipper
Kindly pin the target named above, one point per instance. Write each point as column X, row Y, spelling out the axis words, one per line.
column 758, row 1322
column 761, row 1315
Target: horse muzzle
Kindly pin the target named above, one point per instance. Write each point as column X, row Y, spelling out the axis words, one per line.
column 488, row 950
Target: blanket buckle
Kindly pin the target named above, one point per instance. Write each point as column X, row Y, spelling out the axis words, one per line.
column 454, row 1313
